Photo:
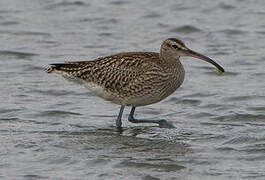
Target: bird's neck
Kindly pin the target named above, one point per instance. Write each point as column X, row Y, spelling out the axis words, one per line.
column 175, row 70
column 169, row 62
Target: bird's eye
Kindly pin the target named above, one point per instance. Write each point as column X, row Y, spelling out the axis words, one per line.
column 175, row 46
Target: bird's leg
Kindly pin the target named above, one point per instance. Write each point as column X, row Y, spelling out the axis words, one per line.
column 118, row 120
column 161, row 122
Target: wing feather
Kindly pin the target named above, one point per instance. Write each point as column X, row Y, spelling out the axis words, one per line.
column 115, row 73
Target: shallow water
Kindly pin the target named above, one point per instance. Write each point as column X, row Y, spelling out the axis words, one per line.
column 53, row 129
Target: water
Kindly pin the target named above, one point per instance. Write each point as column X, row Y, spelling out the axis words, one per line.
column 53, row 129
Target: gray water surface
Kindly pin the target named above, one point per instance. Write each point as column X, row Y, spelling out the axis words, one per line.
column 54, row 129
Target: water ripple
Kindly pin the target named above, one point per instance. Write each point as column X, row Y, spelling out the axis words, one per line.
column 241, row 98
column 31, row 33
column 34, row 176
column 20, row 55
column 8, row 23
column 236, row 117
column 233, row 32
column 257, row 109
column 241, row 140
column 64, row 4
column 57, row 113
column 187, row 29
column 2, row 111
column 152, row 15
column 167, row 167
column 226, row 6
column 55, row 92
column 193, row 102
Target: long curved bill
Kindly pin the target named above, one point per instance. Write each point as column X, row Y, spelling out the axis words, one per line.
column 204, row 58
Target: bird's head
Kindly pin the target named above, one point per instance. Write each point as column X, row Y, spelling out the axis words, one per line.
column 175, row 48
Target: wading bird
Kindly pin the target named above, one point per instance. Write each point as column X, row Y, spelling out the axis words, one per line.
column 134, row 78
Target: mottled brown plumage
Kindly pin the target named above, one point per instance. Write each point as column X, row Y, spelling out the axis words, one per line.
column 133, row 78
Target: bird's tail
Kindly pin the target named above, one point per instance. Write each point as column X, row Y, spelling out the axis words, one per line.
column 71, row 67
column 57, row 67
column 70, row 70
column 63, row 67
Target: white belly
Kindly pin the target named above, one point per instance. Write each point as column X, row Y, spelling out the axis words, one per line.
column 116, row 99
column 100, row 91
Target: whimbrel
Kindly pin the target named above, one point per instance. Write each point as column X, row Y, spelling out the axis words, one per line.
column 134, row 78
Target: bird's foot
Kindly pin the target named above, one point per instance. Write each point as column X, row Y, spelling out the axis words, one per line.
column 162, row 123
column 165, row 124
